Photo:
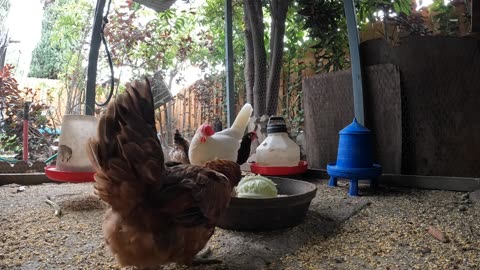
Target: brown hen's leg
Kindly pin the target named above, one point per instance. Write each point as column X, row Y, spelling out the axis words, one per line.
column 201, row 261
column 205, row 252
column 201, row 257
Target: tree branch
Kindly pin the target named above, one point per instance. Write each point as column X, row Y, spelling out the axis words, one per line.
column 255, row 18
column 279, row 10
column 249, row 70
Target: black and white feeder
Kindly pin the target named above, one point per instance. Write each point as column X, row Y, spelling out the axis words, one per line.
column 354, row 158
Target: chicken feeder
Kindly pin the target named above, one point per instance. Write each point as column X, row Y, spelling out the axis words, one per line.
column 354, row 158
column 72, row 163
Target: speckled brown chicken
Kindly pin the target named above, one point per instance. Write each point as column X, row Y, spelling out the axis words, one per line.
column 158, row 214
column 179, row 153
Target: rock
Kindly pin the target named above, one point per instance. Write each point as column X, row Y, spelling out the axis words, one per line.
column 462, row 208
column 440, row 236
column 475, row 196
column 402, row 244
column 425, row 250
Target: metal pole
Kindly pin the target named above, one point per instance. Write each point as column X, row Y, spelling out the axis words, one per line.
column 26, row 110
column 93, row 58
column 353, row 42
column 229, row 63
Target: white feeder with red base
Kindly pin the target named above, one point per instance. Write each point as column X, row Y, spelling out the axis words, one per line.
column 72, row 163
column 278, row 154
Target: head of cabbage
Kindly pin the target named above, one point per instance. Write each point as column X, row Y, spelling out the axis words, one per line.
column 256, row 187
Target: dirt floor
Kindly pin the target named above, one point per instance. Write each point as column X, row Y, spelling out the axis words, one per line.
column 382, row 229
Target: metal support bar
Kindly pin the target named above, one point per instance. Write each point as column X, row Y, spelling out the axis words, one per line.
column 26, row 110
column 353, row 42
column 229, row 63
column 93, row 58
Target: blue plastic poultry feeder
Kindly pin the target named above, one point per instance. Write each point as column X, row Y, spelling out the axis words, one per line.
column 354, row 158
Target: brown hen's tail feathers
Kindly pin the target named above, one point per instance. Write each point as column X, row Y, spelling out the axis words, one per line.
column 126, row 154
column 228, row 168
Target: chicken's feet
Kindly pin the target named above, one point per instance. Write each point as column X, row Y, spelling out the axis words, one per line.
column 202, row 257
column 204, row 253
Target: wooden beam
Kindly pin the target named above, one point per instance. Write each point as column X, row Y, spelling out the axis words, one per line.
column 431, row 182
column 24, row 179
column 463, row 184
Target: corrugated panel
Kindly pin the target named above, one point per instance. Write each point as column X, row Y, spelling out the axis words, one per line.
column 383, row 115
column 328, row 105
column 157, row 5
column 161, row 93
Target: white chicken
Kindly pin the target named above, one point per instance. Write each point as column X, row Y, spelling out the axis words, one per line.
column 207, row 145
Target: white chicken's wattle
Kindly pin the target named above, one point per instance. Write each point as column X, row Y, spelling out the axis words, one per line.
column 207, row 145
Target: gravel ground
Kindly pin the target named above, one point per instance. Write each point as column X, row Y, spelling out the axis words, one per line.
column 383, row 229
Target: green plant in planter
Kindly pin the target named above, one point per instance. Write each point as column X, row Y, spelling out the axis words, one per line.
column 9, row 143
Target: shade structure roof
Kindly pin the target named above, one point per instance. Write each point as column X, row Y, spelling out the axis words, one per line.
column 157, row 5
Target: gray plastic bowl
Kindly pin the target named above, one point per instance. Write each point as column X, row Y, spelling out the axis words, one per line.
column 268, row 214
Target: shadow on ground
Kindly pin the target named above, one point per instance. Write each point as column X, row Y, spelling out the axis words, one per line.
column 258, row 250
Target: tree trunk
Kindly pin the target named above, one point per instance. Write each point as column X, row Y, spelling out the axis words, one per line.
column 255, row 19
column 249, row 70
column 279, row 10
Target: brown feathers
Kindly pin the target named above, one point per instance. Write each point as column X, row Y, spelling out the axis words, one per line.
column 228, row 168
column 159, row 214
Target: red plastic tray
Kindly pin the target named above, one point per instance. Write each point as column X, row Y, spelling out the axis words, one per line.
column 73, row 177
column 301, row 168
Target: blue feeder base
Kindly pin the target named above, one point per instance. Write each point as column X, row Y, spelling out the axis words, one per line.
column 354, row 174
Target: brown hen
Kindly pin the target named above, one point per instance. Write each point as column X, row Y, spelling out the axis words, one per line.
column 158, row 214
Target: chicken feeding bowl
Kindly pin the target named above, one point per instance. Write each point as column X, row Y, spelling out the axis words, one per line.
column 244, row 214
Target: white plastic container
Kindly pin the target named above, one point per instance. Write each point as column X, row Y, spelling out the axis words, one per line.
column 72, row 145
column 277, row 150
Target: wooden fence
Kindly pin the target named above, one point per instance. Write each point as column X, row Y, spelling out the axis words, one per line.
column 197, row 104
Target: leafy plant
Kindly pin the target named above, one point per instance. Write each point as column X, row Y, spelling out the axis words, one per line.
column 164, row 43
column 12, row 109
column 9, row 143
column 445, row 19
column 62, row 51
